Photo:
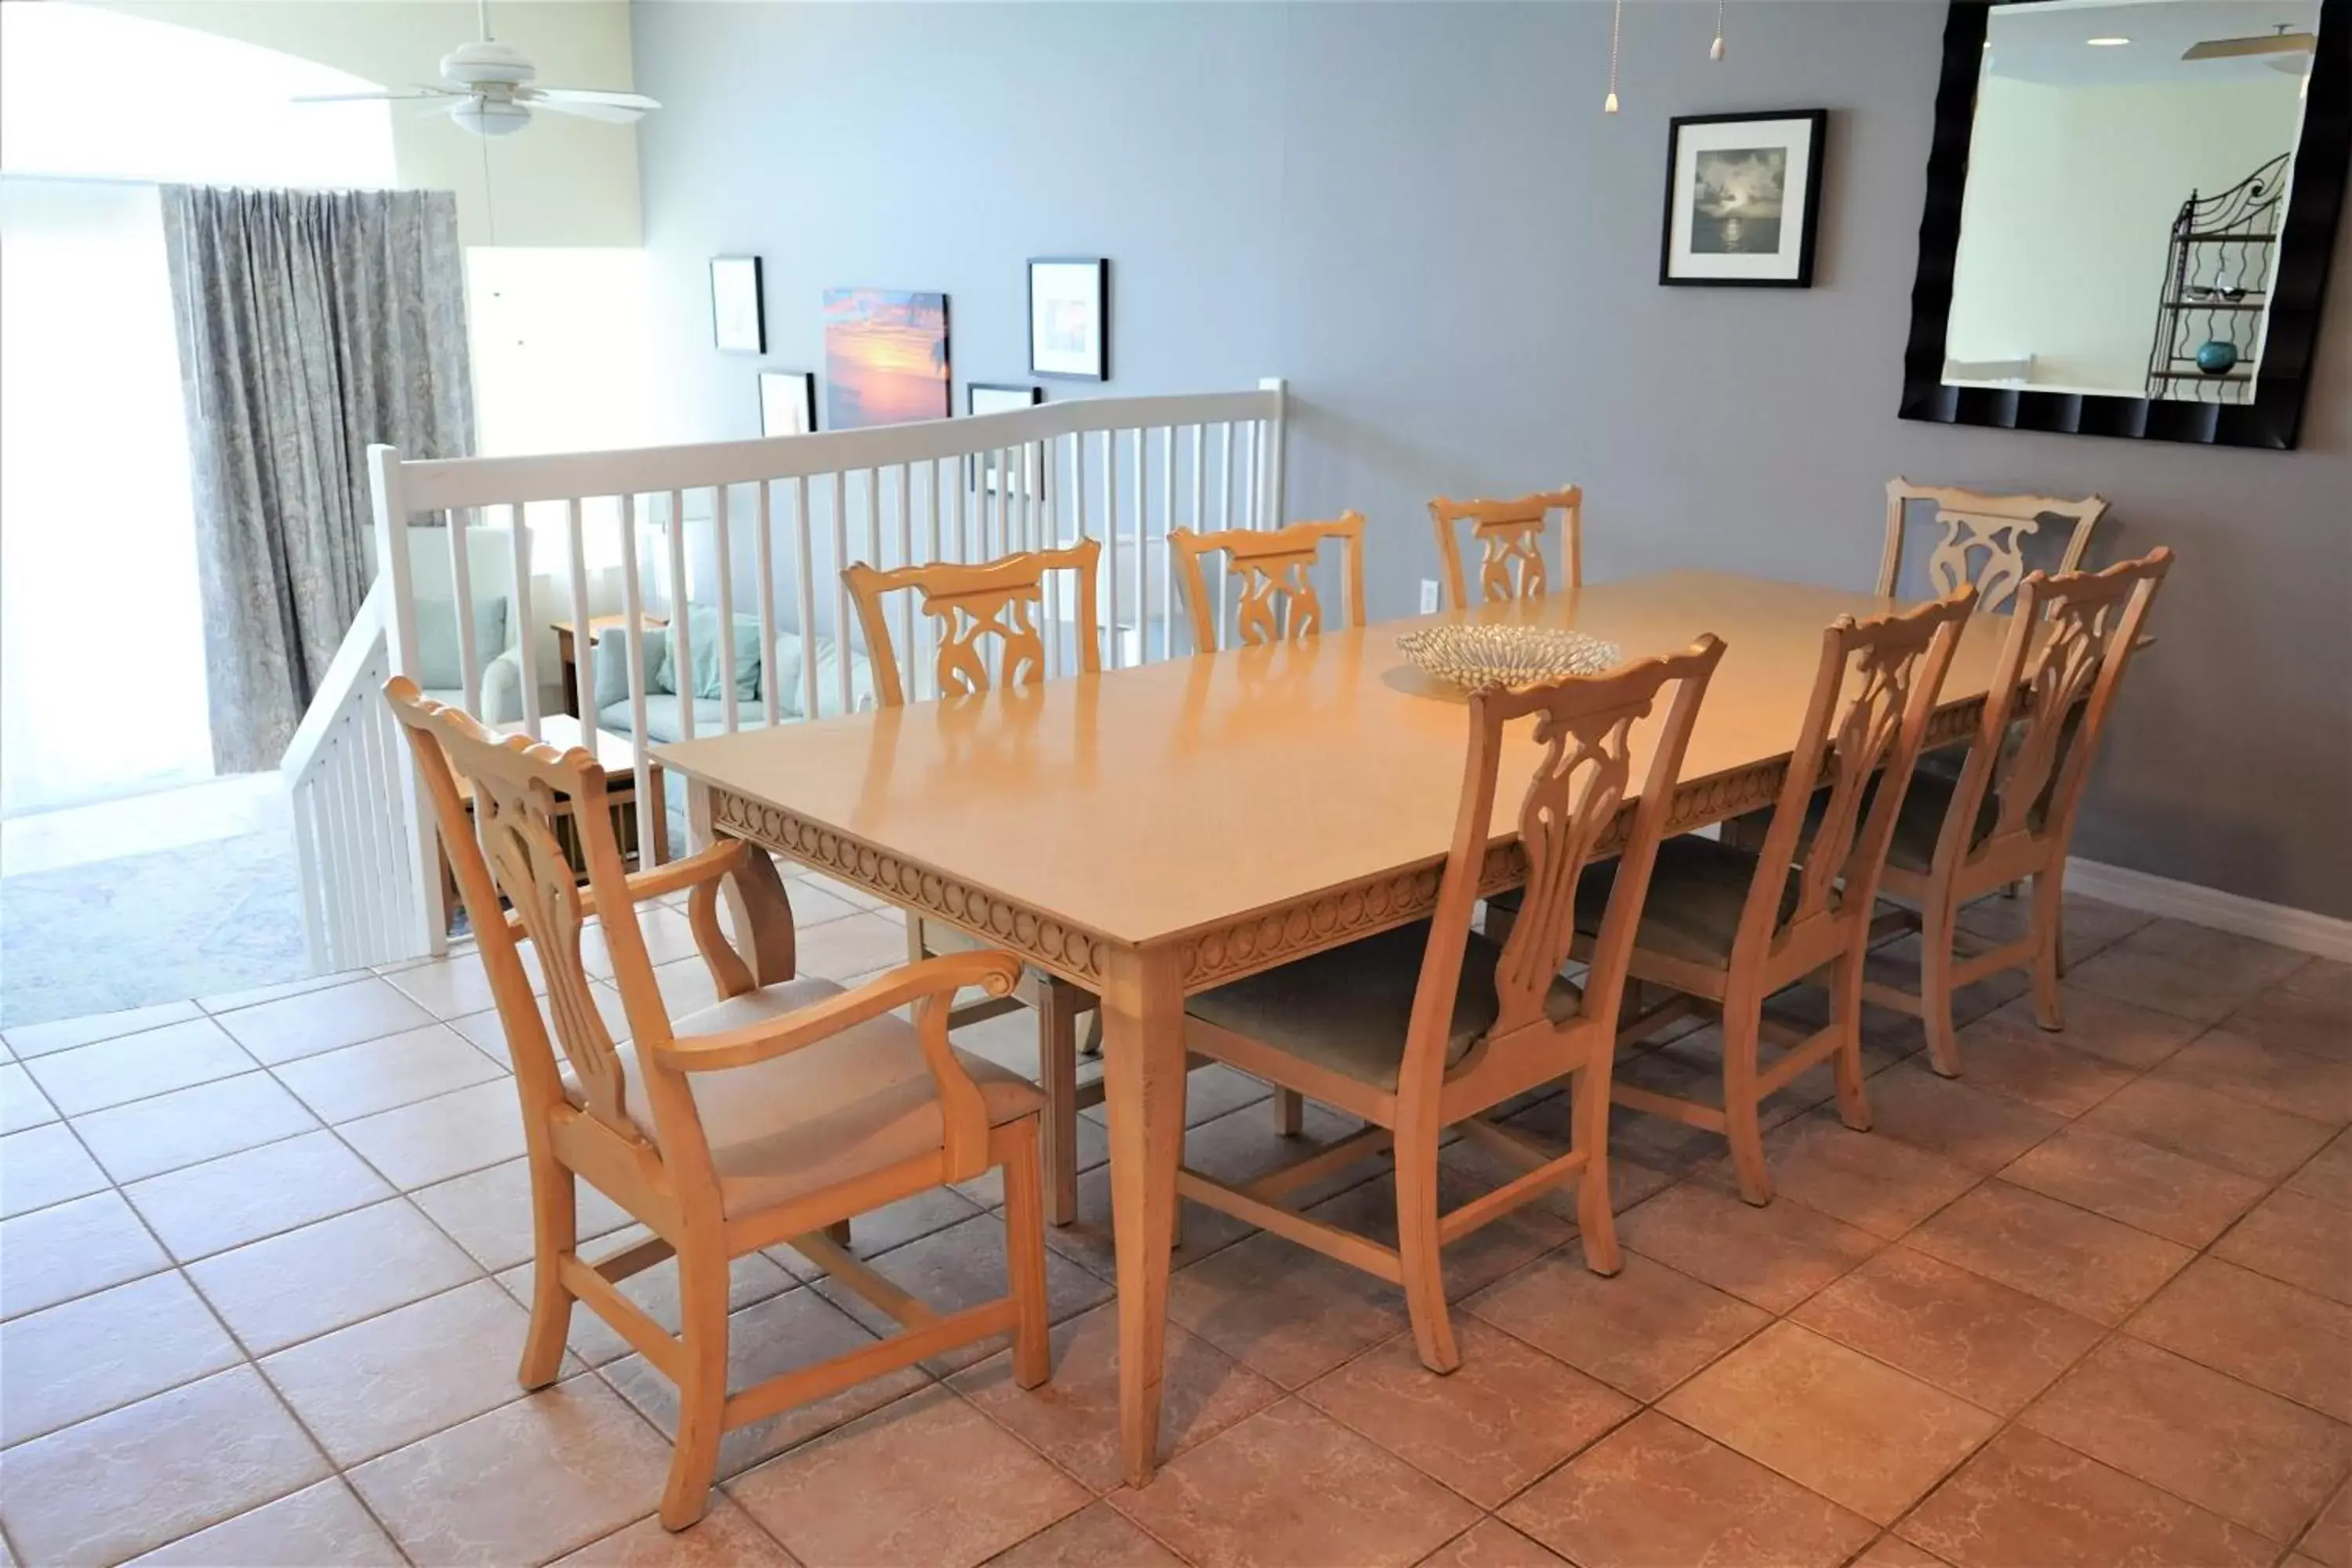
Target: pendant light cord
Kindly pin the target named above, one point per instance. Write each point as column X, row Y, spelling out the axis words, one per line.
column 1616, row 26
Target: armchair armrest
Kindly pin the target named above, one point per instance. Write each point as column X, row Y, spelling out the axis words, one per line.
column 931, row 984
column 933, row 980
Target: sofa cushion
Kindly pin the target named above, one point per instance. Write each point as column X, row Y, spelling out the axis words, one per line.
column 702, row 633
column 664, row 724
column 437, row 664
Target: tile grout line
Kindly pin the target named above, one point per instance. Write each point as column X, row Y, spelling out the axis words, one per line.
column 277, row 1395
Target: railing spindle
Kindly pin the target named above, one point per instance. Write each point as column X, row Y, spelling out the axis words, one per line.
column 841, row 638
column 461, row 590
column 722, row 548
column 633, row 608
column 763, row 549
column 584, row 640
column 524, row 621
column 807, row 531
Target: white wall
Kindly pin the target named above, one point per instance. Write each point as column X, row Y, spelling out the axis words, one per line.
column 560, row 181
column 2071, row 197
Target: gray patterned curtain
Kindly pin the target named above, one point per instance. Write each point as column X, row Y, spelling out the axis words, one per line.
column 312, row 323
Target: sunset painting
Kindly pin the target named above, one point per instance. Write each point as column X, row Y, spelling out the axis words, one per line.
column 886, row 357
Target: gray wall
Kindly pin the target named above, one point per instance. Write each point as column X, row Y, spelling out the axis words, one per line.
column 1419, row 216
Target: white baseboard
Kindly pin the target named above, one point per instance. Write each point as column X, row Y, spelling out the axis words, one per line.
column 2306, row 930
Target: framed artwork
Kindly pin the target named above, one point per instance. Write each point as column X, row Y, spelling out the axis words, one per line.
column 1069, row 315
column 1743, row 198
column 991, row 397
column 787, row 402
column 886, row 357
column 739, row 322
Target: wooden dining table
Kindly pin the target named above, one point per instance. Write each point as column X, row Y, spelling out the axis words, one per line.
column 1152, row 833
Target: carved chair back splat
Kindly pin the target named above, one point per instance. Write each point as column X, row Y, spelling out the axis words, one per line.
column 1000, row 601
column 1509, row 535
column 1981, row 542
column 1276, row 569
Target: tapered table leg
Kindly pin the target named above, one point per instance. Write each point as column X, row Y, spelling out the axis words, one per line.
column 1143, row 1079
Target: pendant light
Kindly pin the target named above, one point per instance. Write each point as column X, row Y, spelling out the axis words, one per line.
column 1715, row 49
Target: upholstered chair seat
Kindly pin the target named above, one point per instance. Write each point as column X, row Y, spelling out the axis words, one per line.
column 1347, row 1009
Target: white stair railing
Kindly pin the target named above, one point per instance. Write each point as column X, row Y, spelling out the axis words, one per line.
column 757, row 529
column 354, row 833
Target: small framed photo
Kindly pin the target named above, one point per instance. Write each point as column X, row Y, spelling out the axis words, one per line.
column 787, row 402
column 739, row 322
column 1743, row 198
column 1069, row 315
column 991, row 397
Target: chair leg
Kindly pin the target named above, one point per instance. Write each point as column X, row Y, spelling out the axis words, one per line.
column 1845, row 1016
column 1420, row 1252
column 1289, row 1112
column 1740, row 1030
column 2049, row 929
column 1936, row 931
column 839, row 1232
column 555, row 1232
column 702, row 1387
column 1596, row 1221
column 1024, row 1264
column 1057, row 1075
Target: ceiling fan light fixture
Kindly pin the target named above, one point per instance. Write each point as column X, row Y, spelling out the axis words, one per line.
column 486, row 61
column 489, row 116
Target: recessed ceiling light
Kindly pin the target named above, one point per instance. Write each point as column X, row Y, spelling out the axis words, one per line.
column 2107, row 43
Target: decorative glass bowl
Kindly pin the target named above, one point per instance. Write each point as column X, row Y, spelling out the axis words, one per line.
column 1476, row 657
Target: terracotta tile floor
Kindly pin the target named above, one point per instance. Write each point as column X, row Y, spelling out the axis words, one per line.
column 262, row 1261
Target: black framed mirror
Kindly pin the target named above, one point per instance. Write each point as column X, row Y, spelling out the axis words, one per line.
column 2131, row 209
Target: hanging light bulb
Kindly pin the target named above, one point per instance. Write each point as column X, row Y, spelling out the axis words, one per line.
column 1715, row 49
column 1616, row 25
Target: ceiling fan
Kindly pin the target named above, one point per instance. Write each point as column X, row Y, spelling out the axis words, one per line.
column 487, row 88
column 2280, row 41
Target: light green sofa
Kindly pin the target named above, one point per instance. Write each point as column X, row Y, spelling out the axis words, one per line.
column 753, row 666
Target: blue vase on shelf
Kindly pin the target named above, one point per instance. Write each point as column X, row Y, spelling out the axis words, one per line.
column 2216, row 356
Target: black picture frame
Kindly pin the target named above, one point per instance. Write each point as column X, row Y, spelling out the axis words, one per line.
column 720, row 326
column 1100, row 370
column 980, row 469
column 2307, row 245
column 777, row 382
column 1808, row 221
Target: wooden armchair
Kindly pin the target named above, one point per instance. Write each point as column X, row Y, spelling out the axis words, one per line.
column 1425, row 1027
column 772, row 1117
column 2009, row 814
column 1510, row 537
column 968, row 605
column 1724, row 928
column 1982, row 543
column 1277, row 600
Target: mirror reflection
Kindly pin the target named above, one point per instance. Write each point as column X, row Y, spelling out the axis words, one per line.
column 2128, row 174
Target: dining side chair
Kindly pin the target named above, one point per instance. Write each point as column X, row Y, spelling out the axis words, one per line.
column 1428, row 1026
column 2009, row 814
column 1277, row 601
column 1723, row 928
column 772, row 1117
column 1981, row 539
column 969, row 605
column 1510, row 536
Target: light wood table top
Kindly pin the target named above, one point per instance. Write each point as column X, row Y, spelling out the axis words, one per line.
column 1147, row 802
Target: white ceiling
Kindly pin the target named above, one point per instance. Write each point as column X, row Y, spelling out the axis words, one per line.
column 2045, row 43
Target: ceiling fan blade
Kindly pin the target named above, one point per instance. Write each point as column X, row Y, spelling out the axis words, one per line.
column 2260, row 43
column 373, row 97
column 603, row 112
column 553, row 95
